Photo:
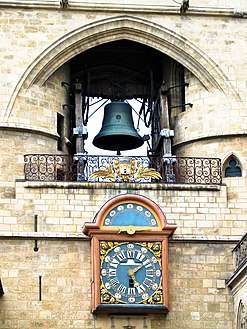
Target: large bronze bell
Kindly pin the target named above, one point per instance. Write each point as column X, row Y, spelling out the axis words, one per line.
column 118, row 132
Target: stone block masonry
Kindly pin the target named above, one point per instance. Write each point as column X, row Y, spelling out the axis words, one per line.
column 51, row 288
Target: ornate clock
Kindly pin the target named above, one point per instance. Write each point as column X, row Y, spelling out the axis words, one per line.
column 130, row 272
column 129, row 250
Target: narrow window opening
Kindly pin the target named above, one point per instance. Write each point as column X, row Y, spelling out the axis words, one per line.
column 232, row 168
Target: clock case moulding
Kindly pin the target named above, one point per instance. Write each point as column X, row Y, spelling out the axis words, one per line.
column 129, row 218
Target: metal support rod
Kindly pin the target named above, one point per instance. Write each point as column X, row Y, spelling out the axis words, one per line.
column 35, row 230
column 35, row 223
column 187, row 104
column 40, row 288
column 186, row 84
column 165, row 122
column 79, row 122
column 1, row 289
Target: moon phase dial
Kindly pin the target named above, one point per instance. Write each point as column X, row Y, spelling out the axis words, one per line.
column 130, row 213
column 130, row 272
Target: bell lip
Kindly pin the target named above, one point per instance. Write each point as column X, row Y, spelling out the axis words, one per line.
column 134, row 142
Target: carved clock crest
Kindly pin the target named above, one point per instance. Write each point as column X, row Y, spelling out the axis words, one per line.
column 130, row 251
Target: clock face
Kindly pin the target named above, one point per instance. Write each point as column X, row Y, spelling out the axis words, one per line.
column 130, row 213
column 131, row 272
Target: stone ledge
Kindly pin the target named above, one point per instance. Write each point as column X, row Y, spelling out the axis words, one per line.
column 81, row 236
column 115, row 7
column 24, row 128
column 43, row 235
column 200, row 238
column 119, row 186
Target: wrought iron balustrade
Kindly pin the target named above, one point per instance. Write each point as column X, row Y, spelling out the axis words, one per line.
column 97, row 168
column 240, row 252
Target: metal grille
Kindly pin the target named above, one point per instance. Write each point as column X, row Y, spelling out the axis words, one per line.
column 240, row 252
column 173, row 170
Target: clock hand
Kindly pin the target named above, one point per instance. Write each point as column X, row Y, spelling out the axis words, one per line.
column 131, row 274
column 137, row 268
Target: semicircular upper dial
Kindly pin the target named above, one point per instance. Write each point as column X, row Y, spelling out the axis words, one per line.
column 130, row 213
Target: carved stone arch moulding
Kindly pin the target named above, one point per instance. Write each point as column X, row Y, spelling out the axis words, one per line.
column 129, row 250
column 133, row 29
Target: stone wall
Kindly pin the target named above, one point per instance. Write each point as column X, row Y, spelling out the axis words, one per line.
column 200, row 258
column 46, row 289
column 51, row 288
column 65, row 207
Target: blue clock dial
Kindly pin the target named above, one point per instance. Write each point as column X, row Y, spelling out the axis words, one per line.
column 131, row 272
column 130, row 214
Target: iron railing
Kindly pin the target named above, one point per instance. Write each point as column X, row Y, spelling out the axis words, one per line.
column 172, row 170
column 240, row 252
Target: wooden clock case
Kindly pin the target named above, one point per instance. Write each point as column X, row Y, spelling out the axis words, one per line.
column 110, row 224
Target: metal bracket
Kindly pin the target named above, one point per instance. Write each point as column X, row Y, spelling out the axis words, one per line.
column 166, row 133
column 184, row 6
column 80, row 131
column 64, row 3
column 186, row 84
column 187, row 104
column 81, row 157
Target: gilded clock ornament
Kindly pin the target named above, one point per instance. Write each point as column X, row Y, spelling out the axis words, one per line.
column 131, row 272
column 126, row 169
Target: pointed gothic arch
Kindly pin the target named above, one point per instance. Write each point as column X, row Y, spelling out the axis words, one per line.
column 232, row 166
column 129, row 28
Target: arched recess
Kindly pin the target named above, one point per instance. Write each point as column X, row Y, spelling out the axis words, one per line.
column 232, row 166
column 129, row 28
